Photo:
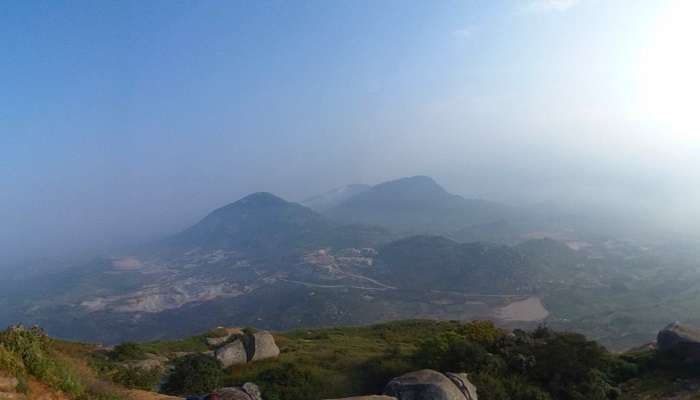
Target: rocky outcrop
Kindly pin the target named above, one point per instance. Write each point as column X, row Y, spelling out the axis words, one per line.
column 431, row 385
column 222, row 336
column 463, row 384
column 681, row 340
column 233, row 353
column 241, row 347
column 248, row 391
column 264, row 346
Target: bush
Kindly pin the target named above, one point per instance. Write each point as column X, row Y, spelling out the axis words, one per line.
column 452, row 352
column 568, row 366
column 138, row 378
column 289, row 382
column 484, row 333
column 10, row 362
column 127, row 351
column 194, row 374
column 33, row 348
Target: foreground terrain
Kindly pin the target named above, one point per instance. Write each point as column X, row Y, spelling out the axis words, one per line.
column 338, row 362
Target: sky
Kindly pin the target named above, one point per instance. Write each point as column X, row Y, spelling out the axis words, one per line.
column 123, row 121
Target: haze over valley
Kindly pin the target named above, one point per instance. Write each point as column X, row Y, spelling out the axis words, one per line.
column 306, row 200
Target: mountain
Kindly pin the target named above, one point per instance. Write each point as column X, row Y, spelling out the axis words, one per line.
column 332, row 198
column 275, row 264
column 263, row 224
column 416, row 205
column 437, row 263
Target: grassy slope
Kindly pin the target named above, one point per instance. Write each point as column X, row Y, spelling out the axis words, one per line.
column 341, row 355
column 345, row 357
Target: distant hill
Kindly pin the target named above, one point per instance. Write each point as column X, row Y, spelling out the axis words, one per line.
column 275, row 264
column 264, row 224
column 332, row 198
column 417, row 205
column 437, row 263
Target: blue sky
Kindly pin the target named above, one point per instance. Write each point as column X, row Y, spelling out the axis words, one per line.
column 125, row 120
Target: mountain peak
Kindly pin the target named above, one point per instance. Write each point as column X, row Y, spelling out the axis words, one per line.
column 261, row 199
column 334, row 197
column 420, row 183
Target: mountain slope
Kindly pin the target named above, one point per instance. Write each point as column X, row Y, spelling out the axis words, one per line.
column 437, row 263
column 332, row 198
column 416, row 204
column 264, row 224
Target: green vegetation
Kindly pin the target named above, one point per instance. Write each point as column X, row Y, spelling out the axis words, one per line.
column 194, row 374
column 28, row 352
column 128, row 351
column 338, row 362
column 359, row 360
column 191, row 344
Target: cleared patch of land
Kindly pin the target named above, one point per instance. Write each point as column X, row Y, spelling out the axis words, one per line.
column 530, row 310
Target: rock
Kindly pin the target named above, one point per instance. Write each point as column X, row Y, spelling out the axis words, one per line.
column 222, row 335
column 232, row 354
column 430, row 385
column 249, row 391
column 253, row 390
column 681, row 340
column 217, row 341
column 463, row 384
column 264, row 346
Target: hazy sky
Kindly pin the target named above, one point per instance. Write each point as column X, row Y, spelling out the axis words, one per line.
column 121, row 120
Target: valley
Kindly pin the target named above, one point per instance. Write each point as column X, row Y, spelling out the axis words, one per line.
column 273, row 264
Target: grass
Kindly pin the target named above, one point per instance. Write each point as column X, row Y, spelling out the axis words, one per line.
column 342, row 356
column 168, row 347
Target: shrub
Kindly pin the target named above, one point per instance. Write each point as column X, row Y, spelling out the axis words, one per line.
column 128, row 351
column 194, row 374
column 10, row 362
column 452, row 352
column 138, row 378
column 33, row 348
column 289, row 382
column 484, row 333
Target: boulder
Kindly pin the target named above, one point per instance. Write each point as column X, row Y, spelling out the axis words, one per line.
column 430, row 385
column 217, row 341
column 221, row 335
column 463, row 384
column 232, row 354
column 249, row 391
column 264, row 346
column 681, row 340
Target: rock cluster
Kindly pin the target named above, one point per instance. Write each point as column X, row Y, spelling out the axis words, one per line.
column 240, row 348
